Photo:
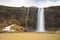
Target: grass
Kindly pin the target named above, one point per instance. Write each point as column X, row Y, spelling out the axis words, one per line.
column 29, row 36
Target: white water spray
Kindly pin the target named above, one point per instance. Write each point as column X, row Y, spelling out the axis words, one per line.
column 40, row 20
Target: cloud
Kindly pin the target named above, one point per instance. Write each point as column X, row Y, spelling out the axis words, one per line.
column 46, row 3
column 38, row 3
column 12, row 2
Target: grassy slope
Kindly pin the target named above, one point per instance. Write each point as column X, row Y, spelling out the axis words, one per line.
column 29, row 36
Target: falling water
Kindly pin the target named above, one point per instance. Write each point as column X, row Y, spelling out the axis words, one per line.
column 27, row 29
column 40, row 20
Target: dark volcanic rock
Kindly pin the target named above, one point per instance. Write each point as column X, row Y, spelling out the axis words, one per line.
column 52, row 18
column 17, row 15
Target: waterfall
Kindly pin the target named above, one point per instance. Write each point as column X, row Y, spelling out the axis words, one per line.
column 27, row 20
column 40, row 20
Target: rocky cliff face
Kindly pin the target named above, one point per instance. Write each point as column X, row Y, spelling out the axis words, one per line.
column 18, row 15
column 52, row 18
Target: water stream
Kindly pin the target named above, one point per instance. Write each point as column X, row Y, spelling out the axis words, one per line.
column 40, row 20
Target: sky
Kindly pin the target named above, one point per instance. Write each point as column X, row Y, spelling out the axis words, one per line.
column 27, row 3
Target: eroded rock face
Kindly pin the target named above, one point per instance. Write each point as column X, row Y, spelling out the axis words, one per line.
column 17, row 15
column 52, row 18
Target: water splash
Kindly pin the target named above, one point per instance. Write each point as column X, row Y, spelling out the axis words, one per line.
column 40, row 20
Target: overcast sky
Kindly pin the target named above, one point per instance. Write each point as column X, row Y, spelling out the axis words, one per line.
column 39, row 3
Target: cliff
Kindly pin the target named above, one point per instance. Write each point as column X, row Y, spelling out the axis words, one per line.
column 18, row 15
column 52, row 18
